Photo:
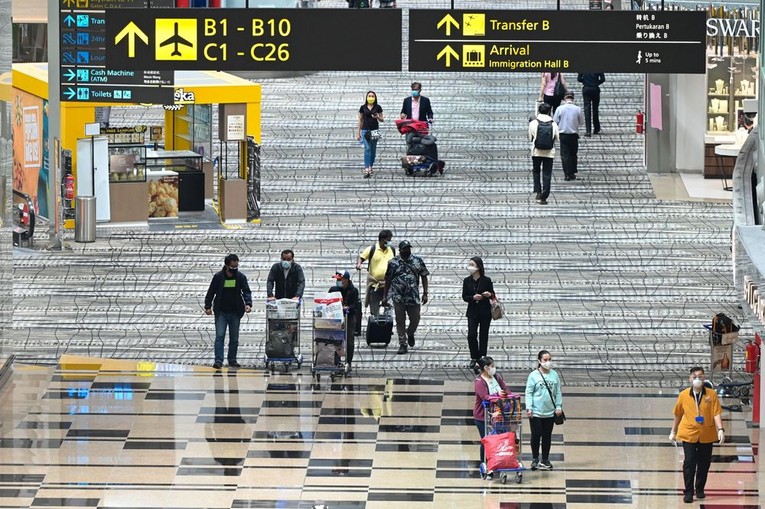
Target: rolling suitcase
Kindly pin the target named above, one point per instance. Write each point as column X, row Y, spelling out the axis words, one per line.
column 380, row 329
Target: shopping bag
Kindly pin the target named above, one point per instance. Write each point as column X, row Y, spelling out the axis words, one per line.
column 497, row 309
column 501, row 451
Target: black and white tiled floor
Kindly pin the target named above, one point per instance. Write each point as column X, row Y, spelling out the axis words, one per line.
column 117, row 434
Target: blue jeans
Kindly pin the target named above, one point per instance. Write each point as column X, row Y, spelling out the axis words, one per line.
column 370, row 149
column 223, row 320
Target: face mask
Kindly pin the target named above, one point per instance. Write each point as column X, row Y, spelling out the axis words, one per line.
column 547, row 365
column 415, row 93
column 472, row 269
column 697, row 383
column 339, row 284
column 389, row 243
column 233, row 270
column 492, row 370
column 286, row 264
column 370, row 100
column 406, row 254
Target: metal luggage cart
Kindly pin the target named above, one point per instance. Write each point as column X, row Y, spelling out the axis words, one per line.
column 328, row 343
column 503, row 416
column 283, row 325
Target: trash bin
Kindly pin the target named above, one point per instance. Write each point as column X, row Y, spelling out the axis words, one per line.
column 85, row 219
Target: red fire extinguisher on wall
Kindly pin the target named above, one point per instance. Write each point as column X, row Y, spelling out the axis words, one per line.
column 69, row 187
column 639, row 122
column 752, row 357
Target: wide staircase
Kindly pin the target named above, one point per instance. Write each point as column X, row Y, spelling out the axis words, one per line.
column 614, row 282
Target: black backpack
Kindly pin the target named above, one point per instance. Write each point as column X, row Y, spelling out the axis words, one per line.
column 545, row 138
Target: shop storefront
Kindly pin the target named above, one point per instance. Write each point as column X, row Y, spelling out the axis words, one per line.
column 170, row 168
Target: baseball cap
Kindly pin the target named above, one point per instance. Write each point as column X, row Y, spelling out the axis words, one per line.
column 341, row 275
column 404, row 244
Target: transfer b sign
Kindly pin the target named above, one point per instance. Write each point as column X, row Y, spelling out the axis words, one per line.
column 253, row 39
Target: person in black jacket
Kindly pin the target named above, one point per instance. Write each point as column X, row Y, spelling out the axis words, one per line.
column 417, row 106
column 477, row 291
column 352, row 307
column 229, row 297
column 287, row 276
column 591, row 94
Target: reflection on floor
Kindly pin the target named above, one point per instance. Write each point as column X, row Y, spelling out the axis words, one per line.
column 689, row 187
column 108, row 434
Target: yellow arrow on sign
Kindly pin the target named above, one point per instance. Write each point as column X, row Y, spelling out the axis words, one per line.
column 131, row 31
column 448, row 53
column 448, row 20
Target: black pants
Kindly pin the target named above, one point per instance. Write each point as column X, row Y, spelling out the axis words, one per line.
column 554, row 102
column 569, row 147
column 698, row 457
column 478, row 343
column 350, row 337
column 481, row 425
column 543, row 164
column 541, row 429
column 591, row 97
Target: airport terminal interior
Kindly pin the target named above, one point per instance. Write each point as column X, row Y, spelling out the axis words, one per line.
column 108, row 394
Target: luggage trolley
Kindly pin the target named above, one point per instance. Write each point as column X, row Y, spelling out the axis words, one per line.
column 282, row 334
column 328, row 347
column 503, row 415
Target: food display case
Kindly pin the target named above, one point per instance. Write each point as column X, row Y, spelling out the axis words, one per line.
column 176, row 182
column 127, row 163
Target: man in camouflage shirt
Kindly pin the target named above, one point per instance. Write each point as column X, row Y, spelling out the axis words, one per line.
column 402, row 284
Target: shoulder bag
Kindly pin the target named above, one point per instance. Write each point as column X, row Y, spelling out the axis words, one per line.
column 497, row 309
column 559, row 419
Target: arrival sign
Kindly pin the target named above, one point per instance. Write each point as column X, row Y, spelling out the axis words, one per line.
column 574, row 41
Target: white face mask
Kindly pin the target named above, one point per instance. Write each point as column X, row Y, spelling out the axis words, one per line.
column 472, row 269
column 547, row 365
column 697, row 383
column 492, row 370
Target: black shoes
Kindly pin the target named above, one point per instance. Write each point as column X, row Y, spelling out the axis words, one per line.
column 538, row 196
column 217, row 365
column 545, row 465
column 700, row 494
column 410, row 339
column 688, row 498
column 543, row 202
column 402, row 349
column 587, row 135
column 535, row 464
column 234, row 364
column 567, row 178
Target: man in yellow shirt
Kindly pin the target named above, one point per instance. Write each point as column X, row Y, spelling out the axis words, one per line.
column 378, row 256
column 698, row 424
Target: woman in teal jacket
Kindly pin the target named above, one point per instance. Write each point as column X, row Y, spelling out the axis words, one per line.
column 543, row 402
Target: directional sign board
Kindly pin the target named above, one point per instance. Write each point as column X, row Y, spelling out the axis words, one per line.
column 574, row 41
column 85, row 75
column 254, row 39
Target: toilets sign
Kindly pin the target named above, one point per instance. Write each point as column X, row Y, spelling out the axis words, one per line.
column 573, row 41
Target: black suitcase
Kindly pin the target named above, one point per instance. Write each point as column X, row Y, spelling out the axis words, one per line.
column 380, row 329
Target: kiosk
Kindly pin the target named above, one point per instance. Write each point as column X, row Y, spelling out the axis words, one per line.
column 172, row 177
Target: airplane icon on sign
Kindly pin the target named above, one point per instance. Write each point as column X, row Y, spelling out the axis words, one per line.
column 176, row 40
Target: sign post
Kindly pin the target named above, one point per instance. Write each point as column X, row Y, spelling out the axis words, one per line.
column 528, row 41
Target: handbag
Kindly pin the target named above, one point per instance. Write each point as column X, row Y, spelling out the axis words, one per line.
column 497, row 309
column 559, row 419
column 560, row 89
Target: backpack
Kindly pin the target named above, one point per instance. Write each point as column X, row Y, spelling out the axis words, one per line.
column 279, row 345
column 545, row 138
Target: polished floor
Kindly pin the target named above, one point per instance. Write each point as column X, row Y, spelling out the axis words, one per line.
column 109, row 434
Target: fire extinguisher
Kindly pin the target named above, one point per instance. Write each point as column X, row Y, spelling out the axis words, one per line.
column 752, row 356
column 69, row 187
column 639, row 122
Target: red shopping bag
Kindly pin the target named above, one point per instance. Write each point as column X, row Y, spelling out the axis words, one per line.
column 501, row 452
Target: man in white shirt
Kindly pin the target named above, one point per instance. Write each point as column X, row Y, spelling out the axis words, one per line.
column 569, row 117
column 543, row 131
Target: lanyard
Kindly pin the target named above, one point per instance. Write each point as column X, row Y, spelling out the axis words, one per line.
column 697, row 400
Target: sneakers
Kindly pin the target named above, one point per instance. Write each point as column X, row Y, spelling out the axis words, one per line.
column 688, row 498
column 217, row 365
column 538, row 196
column 234, row 364
column 545, row 465
column 402, row 349
column 410, row 339
column 700, row 494
column 535, row 464
column 567, row 178
column 347, row 368
column 543, row 202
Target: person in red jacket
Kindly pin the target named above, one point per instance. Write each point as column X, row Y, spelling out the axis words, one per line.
column 488, row 383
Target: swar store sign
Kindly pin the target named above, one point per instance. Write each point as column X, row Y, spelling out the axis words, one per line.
column 733, row 27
